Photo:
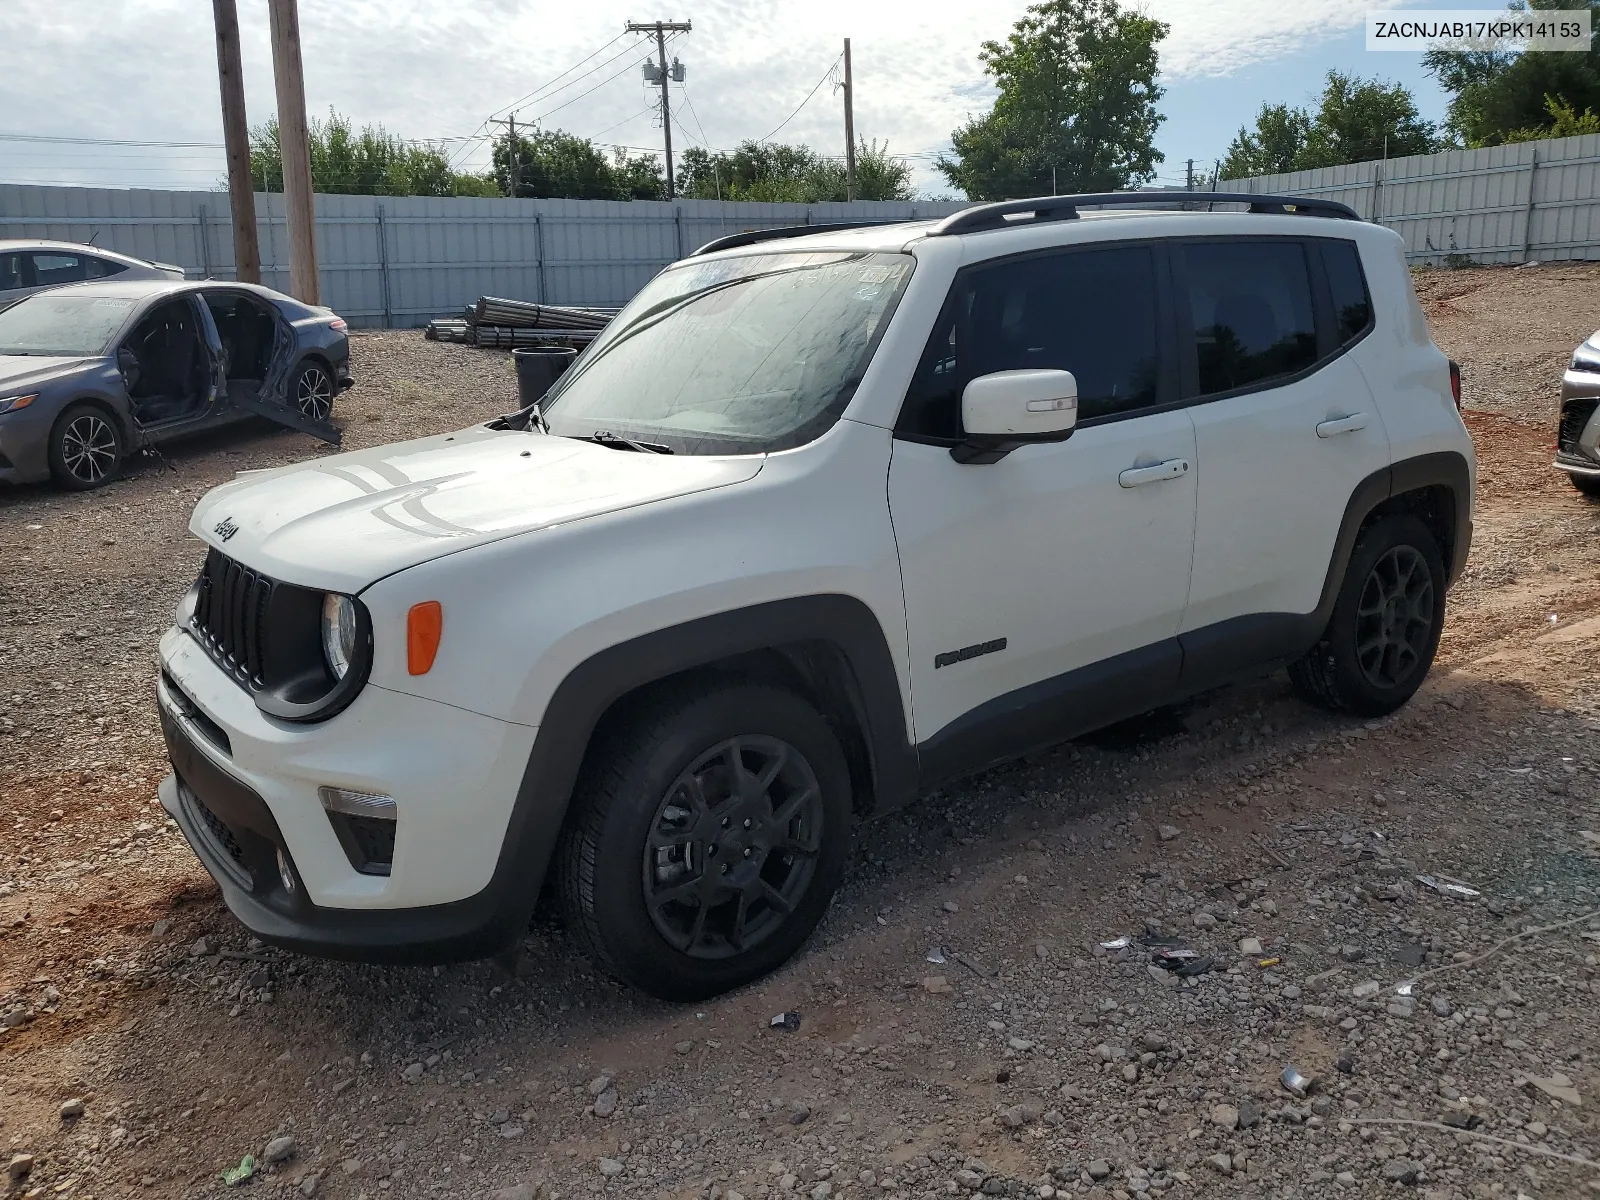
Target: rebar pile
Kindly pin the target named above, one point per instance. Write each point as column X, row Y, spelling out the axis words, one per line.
column 507, row 324
column 519, row 314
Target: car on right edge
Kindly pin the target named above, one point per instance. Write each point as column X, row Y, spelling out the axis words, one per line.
column 1578, row 426
column 823, row 520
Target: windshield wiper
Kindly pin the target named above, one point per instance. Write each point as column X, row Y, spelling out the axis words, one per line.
column 603, row 437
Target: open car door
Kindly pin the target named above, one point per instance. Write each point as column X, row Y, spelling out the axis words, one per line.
column 256, row 386
column 278, row 409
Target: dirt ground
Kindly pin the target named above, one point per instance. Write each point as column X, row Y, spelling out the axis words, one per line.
column 1032, row 1060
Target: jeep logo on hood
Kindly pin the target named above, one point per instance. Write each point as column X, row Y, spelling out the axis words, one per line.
column 225, row 528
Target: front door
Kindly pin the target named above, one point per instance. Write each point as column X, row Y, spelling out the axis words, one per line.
column 1044, row 591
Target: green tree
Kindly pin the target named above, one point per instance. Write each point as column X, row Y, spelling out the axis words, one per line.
column 1078, row 93
column 550, row 163
column 791, row 174
column 1273, row 147
column 1565, row 121
column 1356, row 120
column 1498, row 96
column 1363, row 119
column 372, row 162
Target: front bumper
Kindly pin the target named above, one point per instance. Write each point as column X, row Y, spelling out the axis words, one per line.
column 1578, row 424
column 244, row 792
column 24, row 444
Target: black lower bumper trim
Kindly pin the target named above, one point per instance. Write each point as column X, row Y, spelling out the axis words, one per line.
column 255, row 893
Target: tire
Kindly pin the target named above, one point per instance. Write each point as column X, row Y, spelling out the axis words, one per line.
column 653, row 817
column 311, row 390
column 1589, row 485
column 86, row 448
column 1380, row 642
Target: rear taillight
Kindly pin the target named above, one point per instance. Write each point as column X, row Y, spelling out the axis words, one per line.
column 338, row 325
column 1455, row 384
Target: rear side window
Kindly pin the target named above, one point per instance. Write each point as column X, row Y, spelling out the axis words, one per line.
column 1251, row 312
column 51, row 269
column 1091, row 312
column 1352, row 305
column 103, row 268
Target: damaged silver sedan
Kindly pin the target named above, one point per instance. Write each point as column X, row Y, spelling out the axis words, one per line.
column 94, row 372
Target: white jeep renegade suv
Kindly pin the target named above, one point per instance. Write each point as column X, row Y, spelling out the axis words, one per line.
column 817, row 523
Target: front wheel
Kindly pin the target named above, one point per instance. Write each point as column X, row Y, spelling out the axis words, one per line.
column 85, row 448
column 708, row 835
column 1380, row 642
column 1589, row 485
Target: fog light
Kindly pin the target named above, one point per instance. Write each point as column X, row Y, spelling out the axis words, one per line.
column 286, row 872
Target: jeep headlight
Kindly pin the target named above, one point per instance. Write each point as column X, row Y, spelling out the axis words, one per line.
column 339, row 633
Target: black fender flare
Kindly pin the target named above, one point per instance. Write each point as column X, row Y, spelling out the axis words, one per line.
column 589, row 690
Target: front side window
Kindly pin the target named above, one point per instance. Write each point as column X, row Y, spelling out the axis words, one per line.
column 51, row 269
column 1091, row 312
column 13, row 273
column 747, row 354
column 1250, row 307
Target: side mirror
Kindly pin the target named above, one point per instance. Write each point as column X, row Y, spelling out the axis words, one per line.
column 128, row 364
column 1015, row 408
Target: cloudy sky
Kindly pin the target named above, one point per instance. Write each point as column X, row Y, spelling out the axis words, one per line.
column 145, row 71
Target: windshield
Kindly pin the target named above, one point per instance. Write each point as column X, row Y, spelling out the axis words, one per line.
column 734, row 355
column 61, row 323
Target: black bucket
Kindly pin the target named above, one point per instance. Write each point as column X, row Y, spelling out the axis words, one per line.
column 538, row 368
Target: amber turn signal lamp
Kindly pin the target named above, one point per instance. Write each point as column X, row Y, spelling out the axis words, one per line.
column 424, row 624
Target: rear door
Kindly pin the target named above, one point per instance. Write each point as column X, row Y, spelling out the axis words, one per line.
column 269, row 402
column 16, row 277
column 1285, row 430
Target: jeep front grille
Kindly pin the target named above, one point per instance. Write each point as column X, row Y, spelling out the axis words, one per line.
column 230, row 616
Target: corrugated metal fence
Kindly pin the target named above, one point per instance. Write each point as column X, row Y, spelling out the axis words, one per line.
column 401, row 260
column 1533, row 200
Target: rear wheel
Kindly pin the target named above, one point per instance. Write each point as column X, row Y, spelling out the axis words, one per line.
column 311, row 390
column 85, row 448
column 708, row 835
column 1380, row 642
column 1589, row 485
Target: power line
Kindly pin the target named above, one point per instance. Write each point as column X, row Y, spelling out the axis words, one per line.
column 546, row 86
column 683, row 88
column 825, row 76
column 565, row 103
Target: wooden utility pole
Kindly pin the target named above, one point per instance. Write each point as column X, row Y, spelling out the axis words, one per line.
column 236, row 136
column 849, row 128
column 661, row 29
column 294, row 143
column 513, row 161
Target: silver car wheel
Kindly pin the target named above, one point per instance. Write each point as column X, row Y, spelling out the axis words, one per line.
column 313, row 393
column 89, row 448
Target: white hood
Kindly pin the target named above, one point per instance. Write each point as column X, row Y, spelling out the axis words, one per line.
column 344, row 522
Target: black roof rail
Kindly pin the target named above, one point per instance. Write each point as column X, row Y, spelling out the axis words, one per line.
column 1006, row 213
column 751, row 237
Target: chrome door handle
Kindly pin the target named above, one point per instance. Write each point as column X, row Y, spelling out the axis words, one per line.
column 1328, row 429
column 1173, row 468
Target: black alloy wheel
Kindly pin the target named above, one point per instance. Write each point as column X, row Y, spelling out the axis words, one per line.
column 707, row 834
column 733, row 847
column 1380, row 641
column 312, row 389
column 1394, row 619
column 85, row 448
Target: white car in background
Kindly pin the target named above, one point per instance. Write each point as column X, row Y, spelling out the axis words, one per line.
column 27, row 267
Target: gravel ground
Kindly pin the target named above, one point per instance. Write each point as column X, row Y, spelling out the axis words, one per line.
column 151, row 1044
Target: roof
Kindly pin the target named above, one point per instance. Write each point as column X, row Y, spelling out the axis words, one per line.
column 1264, row 214
column 75, row 247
